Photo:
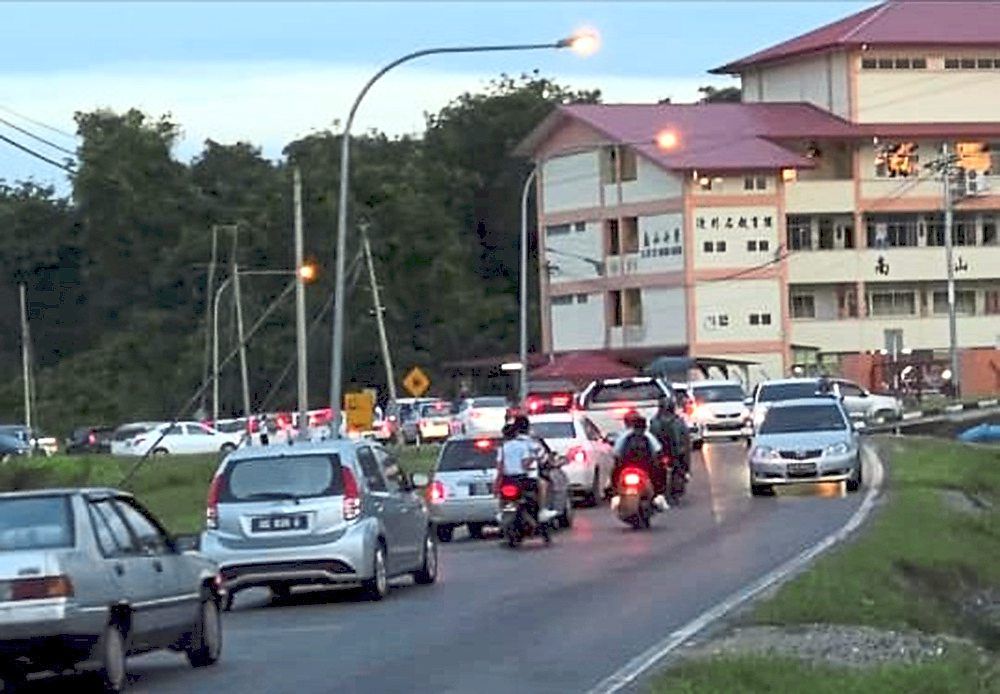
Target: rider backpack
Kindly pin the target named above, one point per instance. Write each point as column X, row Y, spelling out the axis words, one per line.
column 637, row 449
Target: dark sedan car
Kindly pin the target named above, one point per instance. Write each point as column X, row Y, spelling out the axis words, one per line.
column 12, row 446
column 90, row 440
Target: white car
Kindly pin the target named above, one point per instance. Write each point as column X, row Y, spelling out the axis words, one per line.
column 484, row 415
column 720, row 408
column 865, row 405
column 685, row 410
column 589, row 459
column 121, row 439
column 607, row 401
column 184, row 438
column 766, row 393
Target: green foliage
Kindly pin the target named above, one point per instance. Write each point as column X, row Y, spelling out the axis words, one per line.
column 714, row 95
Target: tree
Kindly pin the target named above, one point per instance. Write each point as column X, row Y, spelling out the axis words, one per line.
column 715, row 95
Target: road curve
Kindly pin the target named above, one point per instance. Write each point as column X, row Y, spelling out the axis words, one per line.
column 538, row 619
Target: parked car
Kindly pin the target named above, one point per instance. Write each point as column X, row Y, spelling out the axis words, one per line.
column 589, row 458
column 184, row 438
column 11, row 447
column 866, row 406
column 767, row 393
column 407, row 413
column 123, row 435
column 549, row 396
column 435, row 421
column 608, row 400
column 481, row 415
column 807, row 440
column 331, row 512
column 720, row 409
column 88, row 577
column 685, row 409
column 38, row 443
column 90, row 440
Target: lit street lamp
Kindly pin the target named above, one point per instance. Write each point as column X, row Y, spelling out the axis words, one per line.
column 584, row 43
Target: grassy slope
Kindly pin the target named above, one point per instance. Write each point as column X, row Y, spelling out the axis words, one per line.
column 173, row 487
column 918, row 560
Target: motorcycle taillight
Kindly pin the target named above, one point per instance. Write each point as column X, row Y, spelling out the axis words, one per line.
column 509, row 491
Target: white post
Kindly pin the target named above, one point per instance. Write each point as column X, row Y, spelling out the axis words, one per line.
column 242, row 341
column 949, row 209
column 377, row 299
column 300, row 308
column 25, row 356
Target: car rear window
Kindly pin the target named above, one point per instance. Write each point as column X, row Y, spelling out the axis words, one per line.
column 469, row 454
column 125, row 433
column 786, row 391
column 803, row 419
column 720, row 393
column 298, row 476
column 35, row 522
column 489, row 402
column 553, row 430
column 435, row 409
column 631, row 392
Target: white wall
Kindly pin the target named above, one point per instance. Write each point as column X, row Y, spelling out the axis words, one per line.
column 665, row 316
column 587, row 243
column 571, row 182
column 579, row 325
column 651, row 183
column 714, row 224
column 737, row 299
column 665, row 250
column 819, row 80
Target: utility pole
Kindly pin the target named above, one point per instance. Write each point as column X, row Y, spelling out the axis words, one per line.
column 949, row 214
column 300, row 307
column 379, row 319
column 238, row 297
column 25, row 356
column 209, row 295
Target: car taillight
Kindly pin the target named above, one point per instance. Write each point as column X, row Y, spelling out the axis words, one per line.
column 534, row 405
column 41, row 588
column 212, row 504
column 622, row 411
column 509, row 491
column 560, row 400
column 632, row 477
column 483, row 444
column 577, row 455
column 436, row 493
column 352, row 497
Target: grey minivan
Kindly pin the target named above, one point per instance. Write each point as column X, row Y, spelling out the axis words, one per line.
column 330, row 512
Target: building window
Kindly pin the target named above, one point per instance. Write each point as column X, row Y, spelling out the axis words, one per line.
column 890, row 231
column 934, row 230
column 581, row 226
column 965, row 302
column 581, row 298
column 626, row 307
column 826, row 234
column 630, row 235
column 720, row 246
column 869, row 63
column 967, row 63
column 615, row 299
column 754, row 319
column 613, row 236
column 561, row 300
column 991, row 305
column 618, row 165
column 752, row 245
column 886, row 63
column 755, row 183
column 803, row 306
column 893, row 303
column 989, row 231
column 763, row 245
column 964, row 230
column 708, row 247
column 799, row 233
column 760, row 319
column 558, row 229
column 951, row 63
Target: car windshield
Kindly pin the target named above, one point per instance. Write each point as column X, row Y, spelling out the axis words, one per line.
column 803, row 418
column 772, row 392
column 35, row 522
column 628, row 392
column 720, row 393
column 435, row 409
column 553, row 430
column 469, row 454
column 231, row 427
column 286, row 477
column 488, row 402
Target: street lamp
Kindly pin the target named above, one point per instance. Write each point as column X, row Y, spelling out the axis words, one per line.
column 583, row 43
column 666, row 140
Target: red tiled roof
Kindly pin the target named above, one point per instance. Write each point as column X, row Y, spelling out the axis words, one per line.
column 893, row 23
column 583, row 366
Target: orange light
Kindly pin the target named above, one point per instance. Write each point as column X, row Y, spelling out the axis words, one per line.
column 789, row 175
column 307, row 272
column 667, row 139
column 585, row 42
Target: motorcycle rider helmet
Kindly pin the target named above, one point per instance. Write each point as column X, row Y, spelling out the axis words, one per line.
column 634, row 420
column 521, row 425
column 668, row 403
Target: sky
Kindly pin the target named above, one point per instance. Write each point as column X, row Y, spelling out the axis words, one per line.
column 269, row 72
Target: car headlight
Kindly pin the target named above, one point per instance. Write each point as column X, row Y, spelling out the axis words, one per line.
column 838, row 449
column 764, row 453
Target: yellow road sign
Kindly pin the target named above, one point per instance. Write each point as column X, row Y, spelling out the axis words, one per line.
column 360, row 410
column 416, row 382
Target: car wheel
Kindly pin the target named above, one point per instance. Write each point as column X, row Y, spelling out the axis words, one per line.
column 761, row 490
column 566, row 519
column 428, row 571
column 445, row 532
column 227, row 448
column 160, row 451
column 476, row 530
column 111, row 650
column 854, row 484
column 205, row 646
column 377, row 587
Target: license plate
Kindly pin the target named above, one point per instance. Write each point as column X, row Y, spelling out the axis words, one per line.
column 481, row 489
column 802, row 468
column 277, row 524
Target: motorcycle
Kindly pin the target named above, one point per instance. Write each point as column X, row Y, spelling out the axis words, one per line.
column 519, row 512
column 634, row 491
column 676, row 481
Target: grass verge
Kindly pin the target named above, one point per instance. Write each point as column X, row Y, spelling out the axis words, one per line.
column 172, row 487
column 917, row 566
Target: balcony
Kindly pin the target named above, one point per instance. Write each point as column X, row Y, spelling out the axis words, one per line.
column 898, row 264
column 883, row 193
column 827, row 196
column 863, row 334
column 628, row 336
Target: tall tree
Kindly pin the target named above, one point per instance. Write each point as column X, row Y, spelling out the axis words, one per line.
column 715, row 95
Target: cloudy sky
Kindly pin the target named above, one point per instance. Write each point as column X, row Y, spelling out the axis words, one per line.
column 270, row 72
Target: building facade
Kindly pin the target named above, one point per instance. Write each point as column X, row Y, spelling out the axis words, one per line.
column 803, row 226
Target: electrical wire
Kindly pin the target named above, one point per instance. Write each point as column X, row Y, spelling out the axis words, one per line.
column 37, row 155
column 38, row 138
column 39, row 123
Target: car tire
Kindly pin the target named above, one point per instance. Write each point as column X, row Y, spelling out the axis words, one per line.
column 160, row 451
column 112, row 674
column 761, row 490
column 854, row 484
column 377, row 587
column 428, row 571
column 227, row 448
column 205, row 646
column 445, row 532
column 476, row 530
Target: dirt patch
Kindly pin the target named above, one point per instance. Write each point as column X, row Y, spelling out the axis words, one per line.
column 846, row 646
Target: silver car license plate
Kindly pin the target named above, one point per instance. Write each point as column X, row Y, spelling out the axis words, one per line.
column 801, row 469
column 481, row 489
column 277, row 524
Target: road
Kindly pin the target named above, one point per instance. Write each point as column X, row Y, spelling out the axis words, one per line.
column 539, row 619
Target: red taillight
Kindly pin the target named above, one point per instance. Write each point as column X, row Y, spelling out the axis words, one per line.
column 212, row 504
column 578, row 455
column 632, row 477
column 534, row 405
column 41, row 588
column 352, row 496
column 509, row 491
column 622, row 411
column 561, row 400
column 483, row 444
column 436, row 493
column 92, row 439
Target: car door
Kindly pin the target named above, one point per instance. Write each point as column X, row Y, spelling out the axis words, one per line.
column 413, row 515
column 199, row 439
column 118, row 558
column 386, row 506
column 854, row 398
column 177, row 605
column 139, row 578
column 601, row 450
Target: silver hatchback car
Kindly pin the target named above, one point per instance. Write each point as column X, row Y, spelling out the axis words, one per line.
column 87, row 577
column 329, row 512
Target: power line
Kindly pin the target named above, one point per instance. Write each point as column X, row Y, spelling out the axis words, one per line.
column 37, row 155
column 39, row 138
column 39, row 123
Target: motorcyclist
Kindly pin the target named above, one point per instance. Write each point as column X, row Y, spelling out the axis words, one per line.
column 521, row 455
column 637, row 446
column 672, row 433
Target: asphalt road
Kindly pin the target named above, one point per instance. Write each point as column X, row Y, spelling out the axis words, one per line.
column 538, row 619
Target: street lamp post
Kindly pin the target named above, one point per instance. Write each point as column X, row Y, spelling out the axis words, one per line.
column 583, row 43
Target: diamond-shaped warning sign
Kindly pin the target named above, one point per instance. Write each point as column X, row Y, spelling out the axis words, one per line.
column 416, row 382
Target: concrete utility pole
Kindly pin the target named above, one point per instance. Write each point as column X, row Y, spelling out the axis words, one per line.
column 209, row 294
column 379, row 320
column 25, row 355
column 949, row 215
column 300, row 308
column 238, row 297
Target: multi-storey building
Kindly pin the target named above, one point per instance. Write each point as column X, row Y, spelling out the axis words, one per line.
column 804, row 225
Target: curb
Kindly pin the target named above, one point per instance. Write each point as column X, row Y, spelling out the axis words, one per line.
column 641, row 664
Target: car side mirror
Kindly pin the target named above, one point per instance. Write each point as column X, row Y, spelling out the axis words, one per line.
column 187, row 543
column 748, row 402
column 419, row 479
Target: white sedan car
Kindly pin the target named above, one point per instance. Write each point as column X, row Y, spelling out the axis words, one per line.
column 184, row 438
column 589, row 459
column 485, row 415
